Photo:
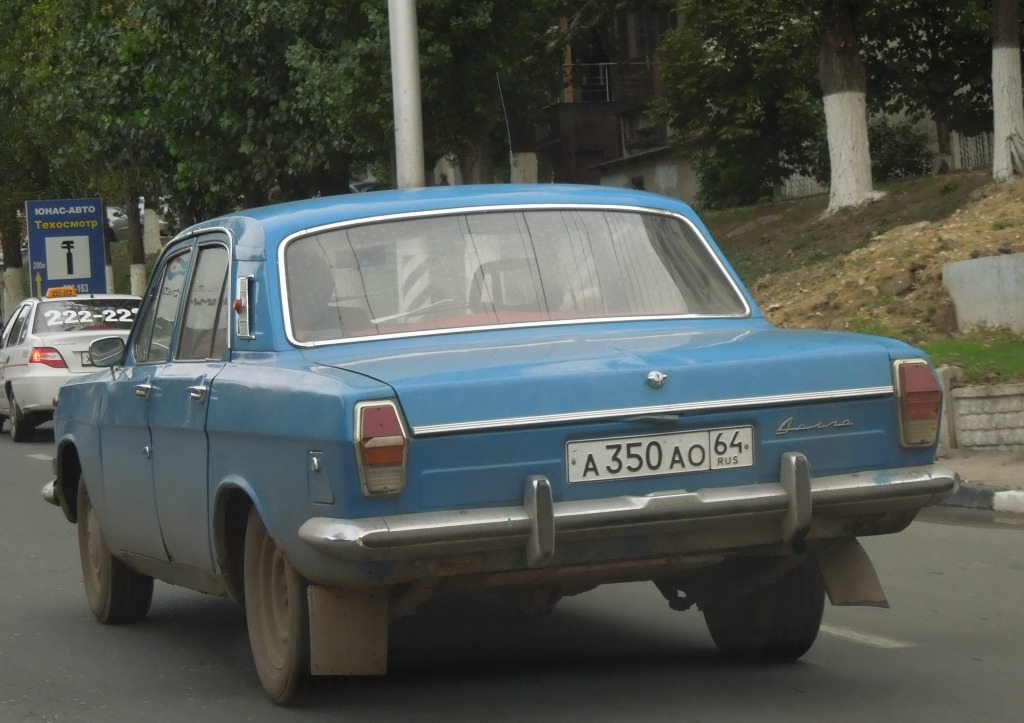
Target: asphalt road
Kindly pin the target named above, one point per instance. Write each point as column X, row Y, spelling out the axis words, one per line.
column 949, row 649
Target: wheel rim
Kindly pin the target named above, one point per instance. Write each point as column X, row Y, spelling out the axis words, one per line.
column 275, row 605
column 93, row 553
column 277, row 609
column 12, row 403
column 94, row 550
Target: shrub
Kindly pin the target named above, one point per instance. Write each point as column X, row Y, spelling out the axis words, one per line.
column 898, row 150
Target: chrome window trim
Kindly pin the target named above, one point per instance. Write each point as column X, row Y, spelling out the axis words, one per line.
column 196, row 236
column 511, row 208
column 192, row 239
column 711, row 405
column 206, row 239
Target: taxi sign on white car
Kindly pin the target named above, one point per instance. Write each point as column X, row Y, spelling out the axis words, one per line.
column 45, row 342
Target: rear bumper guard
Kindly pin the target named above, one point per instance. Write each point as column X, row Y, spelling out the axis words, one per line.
column 541, row 522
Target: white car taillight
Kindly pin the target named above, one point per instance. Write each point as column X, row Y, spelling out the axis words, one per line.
column 48, row 356
column 918, row 401
column 381, row 448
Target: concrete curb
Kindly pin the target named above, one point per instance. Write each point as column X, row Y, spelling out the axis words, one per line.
column 982, row 497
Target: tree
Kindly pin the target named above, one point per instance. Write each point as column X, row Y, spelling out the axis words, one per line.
column 843, row 79
column 740, row 94
column 1007, row 105
column 86, row 82
column 754, row 82
column 930, row 58
column 26, row 143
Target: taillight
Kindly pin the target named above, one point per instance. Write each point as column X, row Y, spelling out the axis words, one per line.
column 381, row 448
column 919, row 402
column 48, row 356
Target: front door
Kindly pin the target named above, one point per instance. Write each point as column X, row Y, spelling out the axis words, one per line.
column 124, row 417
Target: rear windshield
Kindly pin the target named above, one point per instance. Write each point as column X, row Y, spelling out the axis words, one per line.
column 504, row 267
column 84, row 315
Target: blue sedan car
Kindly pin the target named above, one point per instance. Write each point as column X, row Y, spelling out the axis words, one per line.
column 332, row 410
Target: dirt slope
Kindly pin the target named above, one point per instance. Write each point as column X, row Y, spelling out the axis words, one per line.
column 893, row 284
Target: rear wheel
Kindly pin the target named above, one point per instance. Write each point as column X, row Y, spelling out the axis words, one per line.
column 778, row 623
column 116, row 593
column 276, row 613
column 21, row 427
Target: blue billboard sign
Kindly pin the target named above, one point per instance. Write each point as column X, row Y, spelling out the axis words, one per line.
column 65, row 245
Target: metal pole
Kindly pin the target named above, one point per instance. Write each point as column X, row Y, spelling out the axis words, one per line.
column 405, row 86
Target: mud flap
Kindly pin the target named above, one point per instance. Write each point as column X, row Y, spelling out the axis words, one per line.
column 348, row 631
column 849, row 576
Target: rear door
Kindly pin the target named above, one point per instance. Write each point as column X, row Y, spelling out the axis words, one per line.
column 11, row 354
column 178, row 408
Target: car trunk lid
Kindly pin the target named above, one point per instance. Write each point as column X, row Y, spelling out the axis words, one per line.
column 509, row 379
column 74, row 347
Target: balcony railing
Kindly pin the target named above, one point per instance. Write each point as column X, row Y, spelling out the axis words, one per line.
column 606, row 82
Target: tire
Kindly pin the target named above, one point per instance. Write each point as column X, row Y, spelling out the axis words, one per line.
column 776, row 624
column 276, row 614
column 21, row 427
column 116, row 593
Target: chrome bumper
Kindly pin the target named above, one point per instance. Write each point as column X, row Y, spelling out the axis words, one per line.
column 795, row 508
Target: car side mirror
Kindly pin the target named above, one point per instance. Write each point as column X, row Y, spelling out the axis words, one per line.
column 107, row 352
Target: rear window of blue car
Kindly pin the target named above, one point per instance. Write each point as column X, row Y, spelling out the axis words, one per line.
column 472, row 270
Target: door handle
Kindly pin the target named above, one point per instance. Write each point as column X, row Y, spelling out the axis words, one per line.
column 198, row 393
column 143, row 390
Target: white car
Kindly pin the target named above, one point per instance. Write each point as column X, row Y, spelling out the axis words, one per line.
column 117, row 219
column 45, row 342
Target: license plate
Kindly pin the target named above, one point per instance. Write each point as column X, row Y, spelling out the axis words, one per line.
column 597, row 460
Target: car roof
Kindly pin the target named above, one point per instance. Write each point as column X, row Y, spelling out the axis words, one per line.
column 99, row 297
column 280, row 220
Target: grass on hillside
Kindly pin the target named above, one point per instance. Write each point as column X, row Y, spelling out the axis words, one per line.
column 987, row 356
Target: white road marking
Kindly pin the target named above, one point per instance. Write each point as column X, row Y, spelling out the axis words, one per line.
column 855, row 636
column 42, row 457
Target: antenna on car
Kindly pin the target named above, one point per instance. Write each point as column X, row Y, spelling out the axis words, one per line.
column 508, row 131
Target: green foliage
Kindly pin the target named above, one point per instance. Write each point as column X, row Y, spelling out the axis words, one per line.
column 867, row 325
column 741, row 93
column 931, row 57
column 986, row 355
column 26, row 141
column 218, row 105
column 1001, row 224
column 898, row 150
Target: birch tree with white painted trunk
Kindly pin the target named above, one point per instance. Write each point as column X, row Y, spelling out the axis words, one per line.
column 1007, row 98
column 844, row 94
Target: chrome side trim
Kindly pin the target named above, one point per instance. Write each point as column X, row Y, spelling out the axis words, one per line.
column 434, row 534
column 426, row 430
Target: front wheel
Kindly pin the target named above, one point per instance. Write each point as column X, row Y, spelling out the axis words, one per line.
column 276, row 613
column 116, row 593
column 778, row 623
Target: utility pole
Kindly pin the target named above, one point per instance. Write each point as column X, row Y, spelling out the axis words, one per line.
column 405, row 87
